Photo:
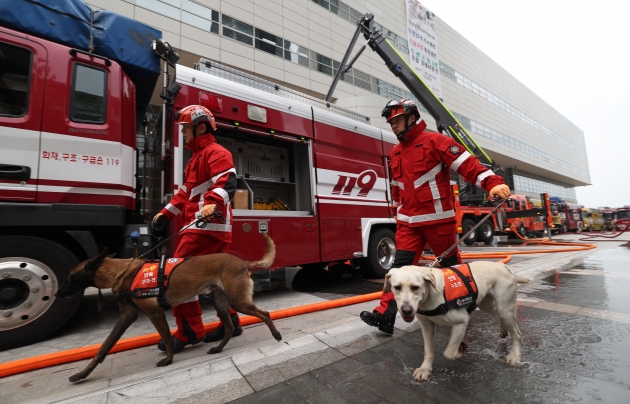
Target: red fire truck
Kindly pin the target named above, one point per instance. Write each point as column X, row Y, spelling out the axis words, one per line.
column 622, row 219
column 68, row 164
column 518, row 214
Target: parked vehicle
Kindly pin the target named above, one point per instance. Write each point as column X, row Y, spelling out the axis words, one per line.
column 593, row 219
column 518, row 215
column 570, row 216
column 622, row 219
column 609, row 218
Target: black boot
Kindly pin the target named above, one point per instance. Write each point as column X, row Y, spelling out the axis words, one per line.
column 219, row 332
column 177, row 344
column 376, row 319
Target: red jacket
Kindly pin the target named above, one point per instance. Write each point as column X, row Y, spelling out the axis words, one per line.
column 421, row 189
column 210, row 178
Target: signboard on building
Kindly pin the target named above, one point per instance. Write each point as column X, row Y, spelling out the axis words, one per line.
column 423, row 49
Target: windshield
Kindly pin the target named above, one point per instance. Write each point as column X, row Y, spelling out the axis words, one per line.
column 623, row 214
column 607, row 216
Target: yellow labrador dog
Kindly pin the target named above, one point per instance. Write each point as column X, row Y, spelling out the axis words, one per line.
column 420, row 288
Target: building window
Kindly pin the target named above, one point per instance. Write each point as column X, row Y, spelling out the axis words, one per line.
column 339, row 8
column 296, row 53
column 15, row 68
column 199, row 16
column 89, row 94
column 269, row 43
column 239, row 29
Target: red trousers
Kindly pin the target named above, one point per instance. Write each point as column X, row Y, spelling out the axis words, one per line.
column 410, row 242
column 188, row 314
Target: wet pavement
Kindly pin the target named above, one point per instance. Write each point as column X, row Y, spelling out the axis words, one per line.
column 573, row 316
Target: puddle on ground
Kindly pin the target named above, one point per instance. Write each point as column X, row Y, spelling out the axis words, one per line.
column 603, row 286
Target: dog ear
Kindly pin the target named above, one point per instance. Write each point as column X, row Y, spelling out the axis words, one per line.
column 430, row 278
column 95, row 263
column 387, row 286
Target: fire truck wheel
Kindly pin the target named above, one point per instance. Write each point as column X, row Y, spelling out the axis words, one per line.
column 522, row 230
column 468, row 224
column 486, row 232
column 31, row 269
column 381, row 252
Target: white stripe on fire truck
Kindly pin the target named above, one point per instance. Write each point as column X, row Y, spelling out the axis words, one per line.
column 483, row 176
column 173, row 209
column 458, row 162
column 79, row 190
column 425, row 218
column 343, row 202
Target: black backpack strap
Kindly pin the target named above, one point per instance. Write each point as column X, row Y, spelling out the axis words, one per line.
column 468, row 286
column 441, row 309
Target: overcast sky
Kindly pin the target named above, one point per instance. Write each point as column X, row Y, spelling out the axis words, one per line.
column 576, row 56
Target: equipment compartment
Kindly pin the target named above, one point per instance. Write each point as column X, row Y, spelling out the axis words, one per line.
column 274, row 171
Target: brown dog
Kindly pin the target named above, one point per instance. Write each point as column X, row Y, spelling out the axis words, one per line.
column 226, row 275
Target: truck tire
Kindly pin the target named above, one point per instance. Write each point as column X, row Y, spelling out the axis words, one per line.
column 522, row 230
column 486, row 231
column 468, row 224
column 31, row 270
column 381, row 252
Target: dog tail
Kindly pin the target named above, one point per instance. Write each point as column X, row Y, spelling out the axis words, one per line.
column 270, row 254
column 519, row 279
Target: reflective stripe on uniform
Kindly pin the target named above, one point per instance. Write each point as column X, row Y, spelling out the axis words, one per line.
column 398, row 184
column 173, row 209
column 425, row 218
column 201, row 188
column 428, row 176
column 204, row 187
column 223, row 194
column 458, row 162
column 483, row 176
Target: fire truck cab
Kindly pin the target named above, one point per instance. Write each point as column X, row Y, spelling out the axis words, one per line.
column 622, row 219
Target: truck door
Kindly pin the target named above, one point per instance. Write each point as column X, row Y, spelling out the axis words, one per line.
column 23, row 67
column 88, row 133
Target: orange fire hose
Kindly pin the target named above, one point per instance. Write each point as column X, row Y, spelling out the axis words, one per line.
column 77, row 354
column 88, row 352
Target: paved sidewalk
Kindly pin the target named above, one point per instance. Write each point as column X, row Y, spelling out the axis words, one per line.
column 251, row 362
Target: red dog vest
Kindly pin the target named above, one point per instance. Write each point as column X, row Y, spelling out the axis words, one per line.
column 460, row 290
column 146, row 284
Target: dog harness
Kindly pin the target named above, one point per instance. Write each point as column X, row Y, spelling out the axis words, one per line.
column 152, row 280
column 460, row 290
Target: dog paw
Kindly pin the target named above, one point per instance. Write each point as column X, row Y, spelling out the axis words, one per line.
column 214, row 350
column 421, row 374
column 463, row 348
column 277, row 336
column 164, row 362
column 513, row 359
column 77, row 377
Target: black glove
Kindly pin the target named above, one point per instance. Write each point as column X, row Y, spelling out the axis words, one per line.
column 159, row 224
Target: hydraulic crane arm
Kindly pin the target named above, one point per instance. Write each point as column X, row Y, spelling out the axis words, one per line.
column 446, row 122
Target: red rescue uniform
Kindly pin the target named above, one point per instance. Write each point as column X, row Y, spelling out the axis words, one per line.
column 207, row 176
column 422, row 197
column 210, row 178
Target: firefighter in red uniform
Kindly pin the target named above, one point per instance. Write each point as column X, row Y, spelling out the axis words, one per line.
column 209, row 185
column 420, row 167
